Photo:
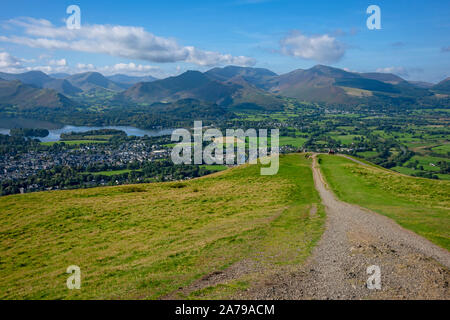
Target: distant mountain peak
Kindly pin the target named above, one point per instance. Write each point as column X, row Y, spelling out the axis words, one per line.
column 41, row 80
column 192, row 73
column 94, row 80
column 225, row 87
column 36, row 72
column 443, row 86
column 25, row 96
column 127, row 81
column 321, row 67
column 91, row 75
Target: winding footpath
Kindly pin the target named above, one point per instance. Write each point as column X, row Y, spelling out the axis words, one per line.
column 355, row 239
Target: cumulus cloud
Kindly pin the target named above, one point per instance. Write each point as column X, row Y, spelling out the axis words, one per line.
column 209, row 58
column 11, row 64
column 130, row 68
column 120, row 41
column 321, row 48
column 45, row 69
column 60, row 63
column 125, row 68
column 86, row 67
column 8, row 61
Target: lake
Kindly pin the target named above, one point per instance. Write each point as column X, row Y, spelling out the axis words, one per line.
column 55, row 134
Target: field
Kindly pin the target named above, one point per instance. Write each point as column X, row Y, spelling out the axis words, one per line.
column 283, row 141
column 428, row 162
column 421, row 205
column 345, row 139
column 444, row 149
column 214, row 167
column 295, row 142
column 73, row 142
column 111, row 173
column 146, row 241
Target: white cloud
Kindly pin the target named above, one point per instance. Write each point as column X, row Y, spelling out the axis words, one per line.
column 124, row 68
column 11, row 64
column 8, row 61
column 210, row 58
column 119, row 41
column 45, row 69
column 28, row 60
column 60, row 63
column 321, row 48
column 130, row 69
column 86, row 67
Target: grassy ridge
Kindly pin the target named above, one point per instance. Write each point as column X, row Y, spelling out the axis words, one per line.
column 145, row 241
column 421, row 205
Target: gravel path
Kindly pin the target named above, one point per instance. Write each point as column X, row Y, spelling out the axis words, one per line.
column 355, row 239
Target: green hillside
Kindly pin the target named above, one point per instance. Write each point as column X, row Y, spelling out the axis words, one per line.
column 202, row 87
column 421, row 205
column 147, row 241
column 25, row 97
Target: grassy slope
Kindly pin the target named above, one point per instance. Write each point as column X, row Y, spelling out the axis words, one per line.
column 145, row 241
column 421, row 205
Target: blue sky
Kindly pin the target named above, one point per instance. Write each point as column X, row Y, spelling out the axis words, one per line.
column 168, row 37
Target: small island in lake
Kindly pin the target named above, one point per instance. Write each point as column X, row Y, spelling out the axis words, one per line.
column 102, row 135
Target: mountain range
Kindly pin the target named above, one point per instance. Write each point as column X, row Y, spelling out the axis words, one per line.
column 236, row 91
column 41, row 80
column 237, row 88
column 443, row 86
column 23, row 96
column 73, row 84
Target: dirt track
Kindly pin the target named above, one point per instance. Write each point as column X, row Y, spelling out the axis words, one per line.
column 355, row 239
